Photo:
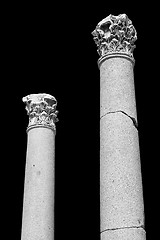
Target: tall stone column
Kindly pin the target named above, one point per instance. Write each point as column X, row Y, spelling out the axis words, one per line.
column 38, row 205
column 121, row 196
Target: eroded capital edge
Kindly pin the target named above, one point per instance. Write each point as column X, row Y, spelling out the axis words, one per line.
column 115, row 37
column 41, row 109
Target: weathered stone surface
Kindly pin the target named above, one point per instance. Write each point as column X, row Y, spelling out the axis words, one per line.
column 121, row 195
column 115, row 34
column 41, row 109
column 117, row 90
column 120, row 173
column 124, row 234
column 38, row 206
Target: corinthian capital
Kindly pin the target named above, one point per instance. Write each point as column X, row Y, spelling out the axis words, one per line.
column 41, row 109
column 115, row 35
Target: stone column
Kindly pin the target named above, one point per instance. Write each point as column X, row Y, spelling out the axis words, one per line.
column 38, row 205
column 121, row 196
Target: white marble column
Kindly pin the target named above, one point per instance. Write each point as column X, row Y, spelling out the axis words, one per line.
column 38, row 205
column 121, row 195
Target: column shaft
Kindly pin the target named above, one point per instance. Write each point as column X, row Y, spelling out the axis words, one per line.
column 121, row 196
column 117, row 91
column 38, row 206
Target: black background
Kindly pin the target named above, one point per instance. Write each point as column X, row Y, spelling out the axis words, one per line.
column 49, row 48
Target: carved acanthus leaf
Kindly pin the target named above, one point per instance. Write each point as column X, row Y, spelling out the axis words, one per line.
column 41, row 109
column 115, row 34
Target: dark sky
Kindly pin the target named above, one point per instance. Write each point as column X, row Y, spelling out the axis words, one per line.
column 49, row 48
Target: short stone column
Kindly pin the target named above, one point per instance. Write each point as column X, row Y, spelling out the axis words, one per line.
column 121, row 195
column 38, row 205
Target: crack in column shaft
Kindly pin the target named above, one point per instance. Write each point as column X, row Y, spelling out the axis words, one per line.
column 132, row 118
column 120, row 228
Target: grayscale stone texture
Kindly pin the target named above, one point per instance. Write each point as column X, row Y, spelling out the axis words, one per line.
column 124, row 234
column 117, row 91
column 121, row 193
column 38, row 203
column 38, row 206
